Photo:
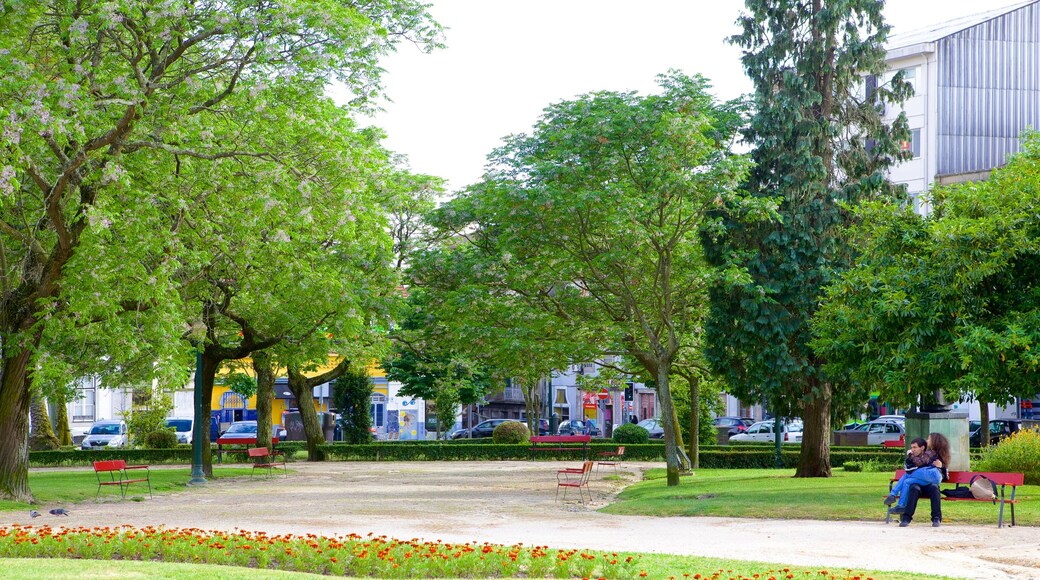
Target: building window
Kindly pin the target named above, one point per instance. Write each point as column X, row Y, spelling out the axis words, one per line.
column 83, row 406
column 378, row 410
column 914, row 144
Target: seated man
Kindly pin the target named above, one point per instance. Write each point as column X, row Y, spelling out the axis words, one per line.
column 913, row 494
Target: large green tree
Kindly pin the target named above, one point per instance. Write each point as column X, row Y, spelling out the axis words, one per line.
column 105, row 105
column 594, row 219
column 947, row 303
column 819, row 147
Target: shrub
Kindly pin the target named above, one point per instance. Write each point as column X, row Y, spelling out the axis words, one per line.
column 629, row 433
column 162, row 439
column 511, row 432
column 853, row 466
column 1019, row 453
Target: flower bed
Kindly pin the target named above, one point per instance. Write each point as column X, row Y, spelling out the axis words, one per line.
column 371, row 556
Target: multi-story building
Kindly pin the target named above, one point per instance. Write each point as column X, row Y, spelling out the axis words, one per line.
column 976, row 87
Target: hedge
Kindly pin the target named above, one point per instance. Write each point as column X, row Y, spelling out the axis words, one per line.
column 181, row 454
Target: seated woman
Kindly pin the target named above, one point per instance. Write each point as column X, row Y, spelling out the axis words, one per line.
column 925, row 465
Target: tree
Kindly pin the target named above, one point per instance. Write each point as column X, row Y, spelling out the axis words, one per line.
column 946, row 303
column 352, row 395
column 594, row 219
column 819, row 147
column 104, row 104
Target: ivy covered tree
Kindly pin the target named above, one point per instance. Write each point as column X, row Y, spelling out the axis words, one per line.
column 352, row 395
column 948, row 303
column 593, row 219
column 820, row 147
column 111, row 113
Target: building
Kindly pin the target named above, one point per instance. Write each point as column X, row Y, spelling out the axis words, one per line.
column 976, row 87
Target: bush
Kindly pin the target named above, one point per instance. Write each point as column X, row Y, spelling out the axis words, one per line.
column 853, row 466
column 629, row 433
column 511, row 432
column 1019, row 453
column 162, row 439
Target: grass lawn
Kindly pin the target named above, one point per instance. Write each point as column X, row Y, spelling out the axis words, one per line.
column 775, row 493
column 63, row 487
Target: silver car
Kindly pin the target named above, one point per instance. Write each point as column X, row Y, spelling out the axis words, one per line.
column 105, row 434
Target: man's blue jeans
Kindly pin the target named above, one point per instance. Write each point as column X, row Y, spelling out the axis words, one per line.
column 922, row 476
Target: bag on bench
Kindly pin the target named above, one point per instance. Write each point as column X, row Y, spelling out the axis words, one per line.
column 958, row 492
column 983, row 487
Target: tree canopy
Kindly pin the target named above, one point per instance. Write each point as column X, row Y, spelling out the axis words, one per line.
column 948, row 302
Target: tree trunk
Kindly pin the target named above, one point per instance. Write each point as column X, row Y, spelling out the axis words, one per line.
column 984, row 419
column 671, row 454
column 815, row 459
column 311, row 426
column 695, row 421
column 14, row 430
column 61, row 420
column 41, row 436
column 210, row 364
column 264, row 397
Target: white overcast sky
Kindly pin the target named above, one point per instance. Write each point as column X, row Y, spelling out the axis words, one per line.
column 506, row 60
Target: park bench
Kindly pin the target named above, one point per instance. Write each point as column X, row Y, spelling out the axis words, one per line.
column 237, row 445
column 963, row 478
column 118, row 473
column 263, row 460
column 572, row 477
column 559, row 440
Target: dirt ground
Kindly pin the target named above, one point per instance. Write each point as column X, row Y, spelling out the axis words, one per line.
column 513, row 502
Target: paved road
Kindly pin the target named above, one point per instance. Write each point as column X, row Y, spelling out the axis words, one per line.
column 512, row 501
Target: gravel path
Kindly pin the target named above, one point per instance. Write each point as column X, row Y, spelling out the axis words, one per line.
column 512, row 501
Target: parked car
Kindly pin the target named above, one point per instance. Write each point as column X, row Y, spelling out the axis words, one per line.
column 897, row 418
column 575, row 427
column 183, row 427
column 736, row 424
column 998, row 429
column 105, row 434
column 482, row 429
column 881, row 430
column 763, row 432
column 244, row 430
column 654, row 427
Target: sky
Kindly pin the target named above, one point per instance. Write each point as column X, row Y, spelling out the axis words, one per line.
column 506, row 60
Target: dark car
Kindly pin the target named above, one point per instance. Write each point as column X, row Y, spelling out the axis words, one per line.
column 736, row 424
column 998, row 429
column 576, row 427
column 482, row 429
column 654, row 427
column 543, row 426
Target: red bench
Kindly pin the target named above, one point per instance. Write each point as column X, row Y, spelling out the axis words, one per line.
column 237, row 445
column 262, row 457
column 963, row 478
column 558, row 439
column 119, row 474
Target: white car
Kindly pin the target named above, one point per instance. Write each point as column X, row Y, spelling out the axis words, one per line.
column 879, row 431
column 762, row 431
column 183, row 427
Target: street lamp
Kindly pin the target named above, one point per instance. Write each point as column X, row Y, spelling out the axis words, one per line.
column 197, row 476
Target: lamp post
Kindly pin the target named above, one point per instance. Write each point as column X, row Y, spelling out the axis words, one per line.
column 197, row 476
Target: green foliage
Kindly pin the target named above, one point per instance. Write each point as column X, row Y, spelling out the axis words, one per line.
column 819, row 149
column 629, row 433
column 142, row 421
column 852, row 466
column 352, row 396
column 242, row 384
column 1019, row 453
column 946, row 302
column 511, row 432
column 164, row 439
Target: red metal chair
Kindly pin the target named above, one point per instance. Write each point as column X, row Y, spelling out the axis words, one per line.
column 574, row 477
column 610, row 458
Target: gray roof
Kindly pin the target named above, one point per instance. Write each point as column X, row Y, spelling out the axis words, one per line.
column 941, row 30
